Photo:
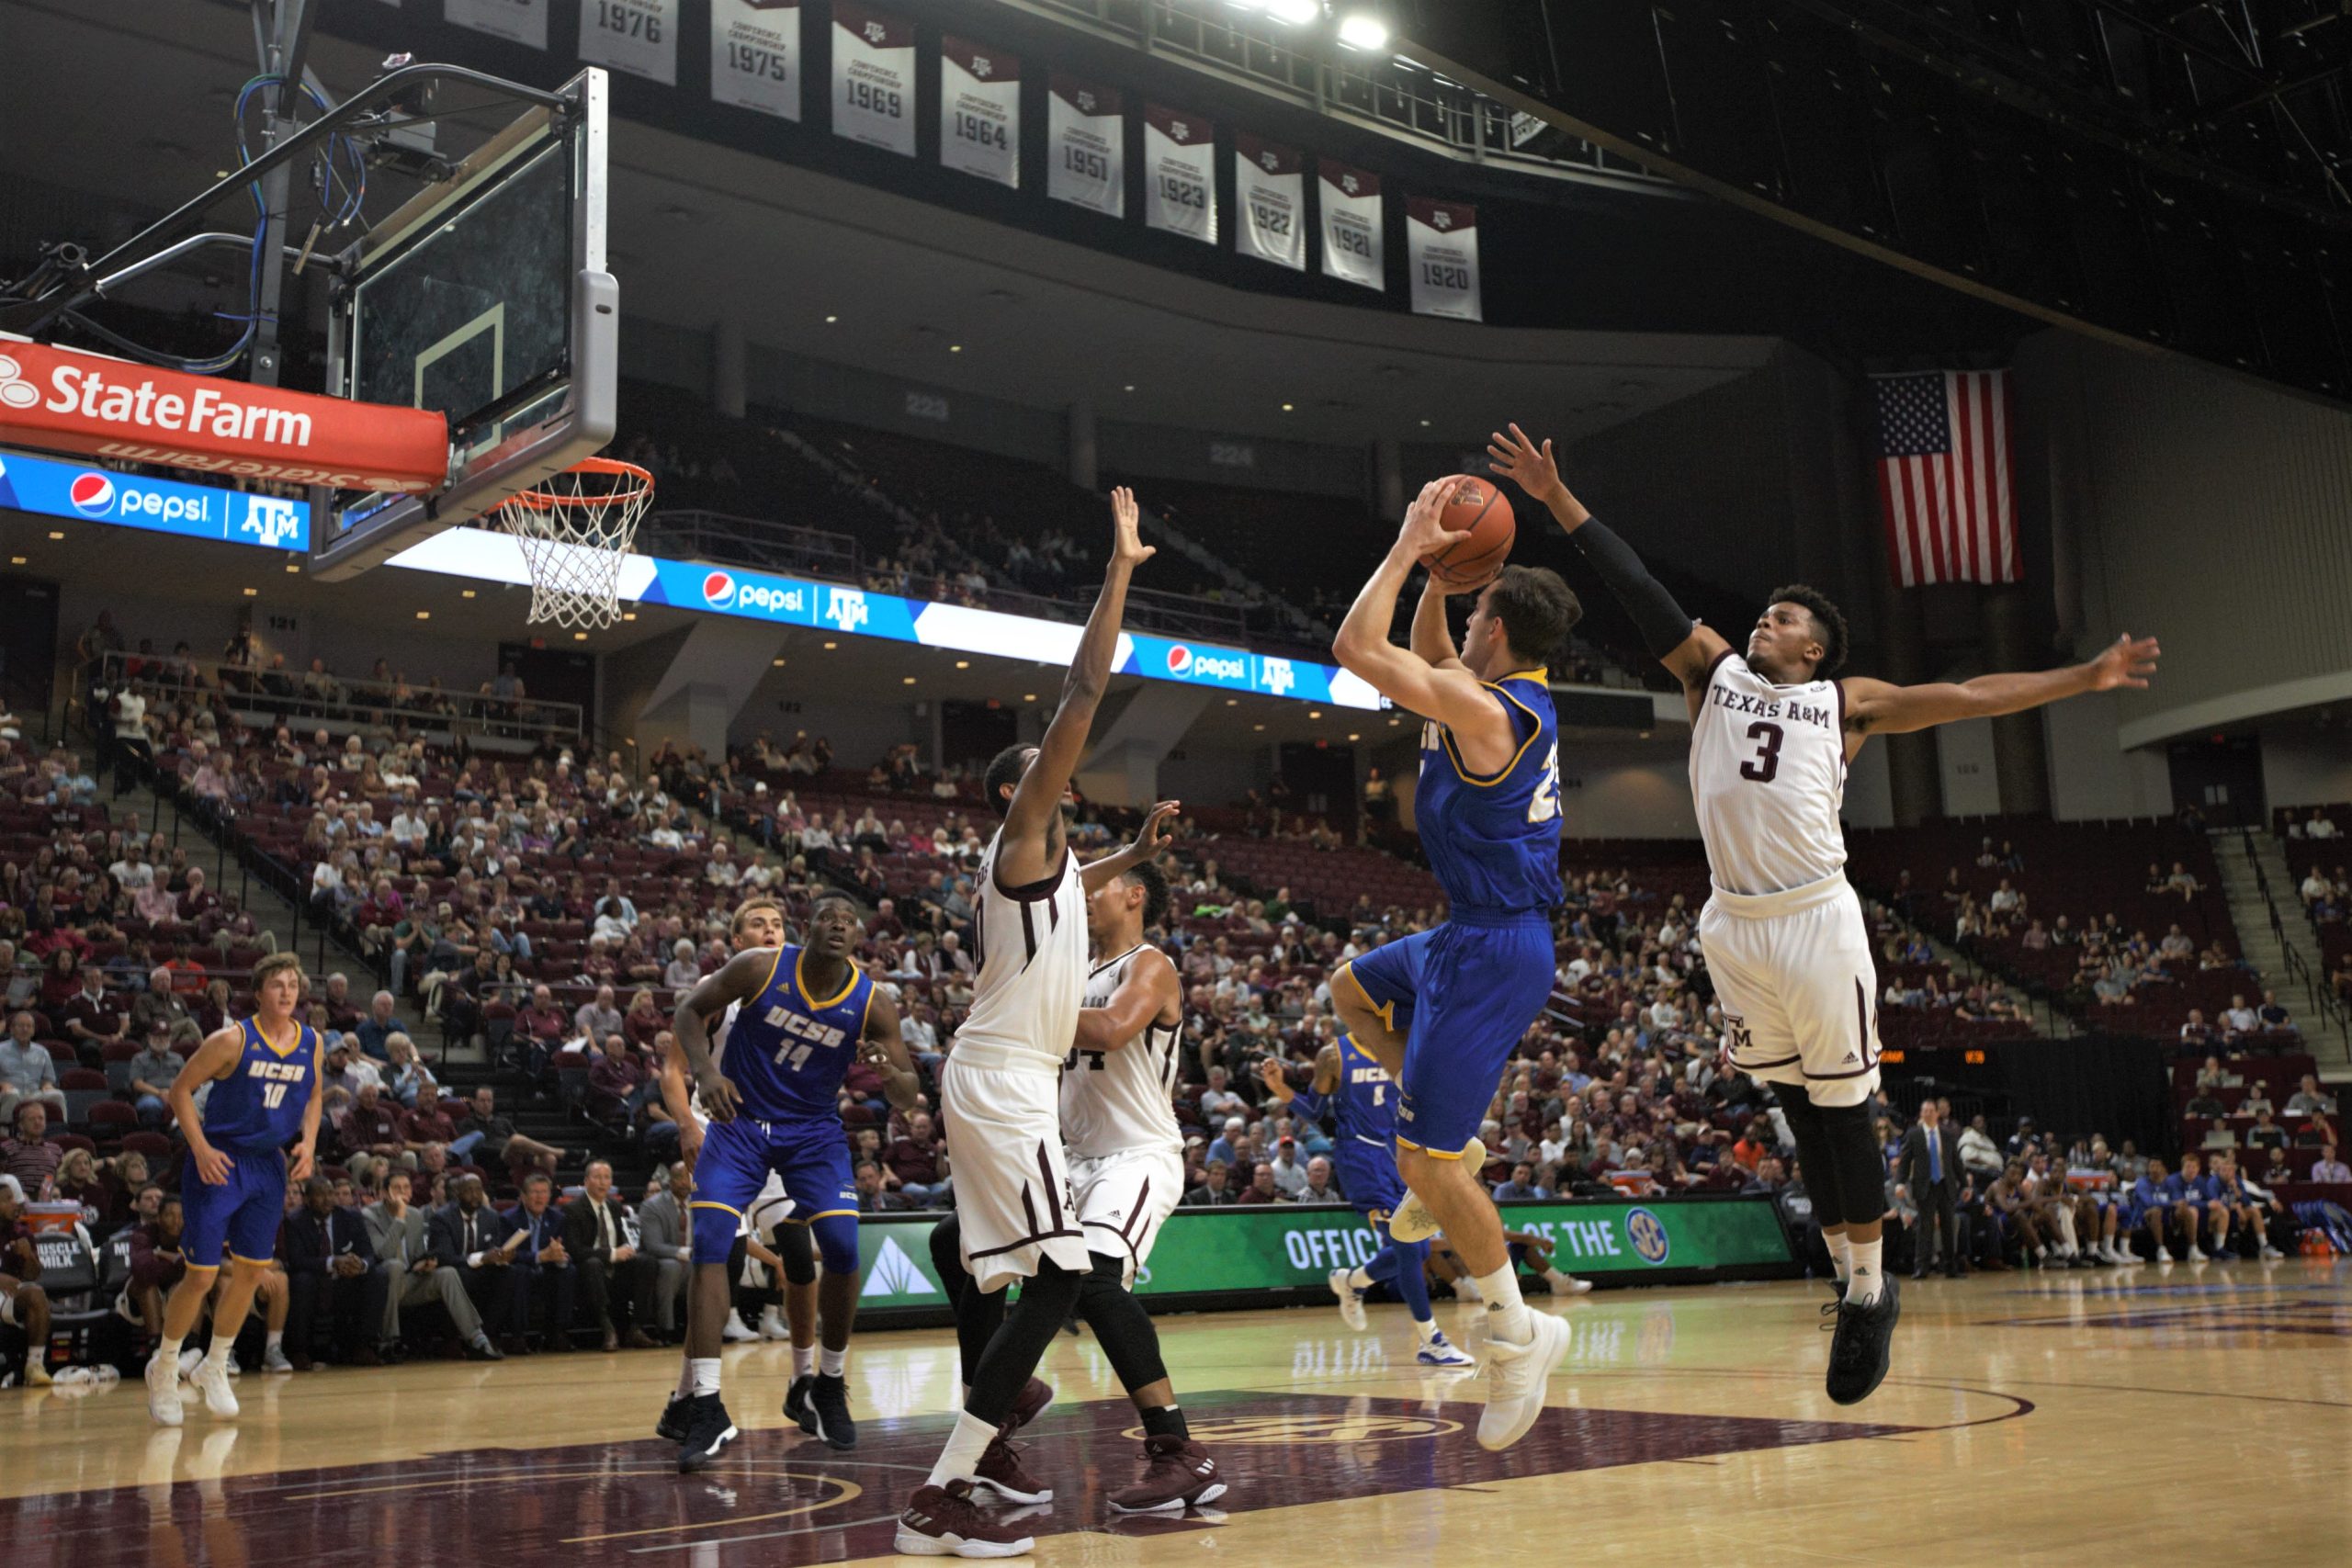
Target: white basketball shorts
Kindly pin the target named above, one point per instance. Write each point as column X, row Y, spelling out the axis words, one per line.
column 1005, row 1140
column 1124, row 1199
column 1798, row 987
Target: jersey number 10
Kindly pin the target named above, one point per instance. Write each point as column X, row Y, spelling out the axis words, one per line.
column 273, row 1095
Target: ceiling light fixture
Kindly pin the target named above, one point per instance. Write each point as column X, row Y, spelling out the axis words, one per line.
column 425, row 615
column 906, row 680
column 580, row 637
column 56, row 534
column 1285, row 408
column 955, row 348
column 963, row 664
column 465, row 593
column 832, row 644
column 15, row 560
column 1257, row 727
column 294, row 566
column 831, row 320
column 252, row 592
column 1363, row 30
column 1294, row 13
column 777, row 663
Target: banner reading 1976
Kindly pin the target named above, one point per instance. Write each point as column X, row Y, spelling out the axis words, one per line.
column 640, row 37
column 756, row 55
column 979, row 111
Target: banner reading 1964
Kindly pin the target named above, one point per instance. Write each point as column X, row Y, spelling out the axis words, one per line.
column 1442, row 246
column 1086, row 156
column 524, row 21
column 1355, row 244
column 874, row 78
column 756, row 55
column 1269, row 186
column 640, row 37
column 979, row 111
column 1179, row 173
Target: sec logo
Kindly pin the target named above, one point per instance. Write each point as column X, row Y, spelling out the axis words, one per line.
column 1647, row 1233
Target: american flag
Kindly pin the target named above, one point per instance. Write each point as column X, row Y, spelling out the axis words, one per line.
column 1943, row 476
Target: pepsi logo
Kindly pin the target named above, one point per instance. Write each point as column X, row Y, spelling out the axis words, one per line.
column 92, row 494
column 1180, row 659
column 718, row 590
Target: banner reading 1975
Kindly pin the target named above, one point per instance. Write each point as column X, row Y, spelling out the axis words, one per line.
column 756, row 55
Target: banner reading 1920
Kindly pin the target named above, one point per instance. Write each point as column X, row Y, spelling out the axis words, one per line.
column 1239, row 1250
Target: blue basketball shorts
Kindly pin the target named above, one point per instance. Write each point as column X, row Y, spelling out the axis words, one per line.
column 1368, row 1176
column 242, row 1214
column 812, row 1158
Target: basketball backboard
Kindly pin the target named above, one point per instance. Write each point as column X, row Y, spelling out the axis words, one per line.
column 486, row 299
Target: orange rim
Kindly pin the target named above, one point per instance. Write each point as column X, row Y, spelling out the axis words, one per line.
column 609, row 468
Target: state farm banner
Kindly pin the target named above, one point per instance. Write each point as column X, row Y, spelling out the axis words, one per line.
column 1354, row 242
column 640, row 37
column 1086, row 137
column 1270, row 187
column 61, row 400
column 979, row 111
column 524, row 21
column 874, row 78
column 1179, row 173
column 1442, row 246
column 756, row 55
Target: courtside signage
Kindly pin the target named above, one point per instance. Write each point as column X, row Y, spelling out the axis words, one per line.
column 160, row 506
column 486, row 556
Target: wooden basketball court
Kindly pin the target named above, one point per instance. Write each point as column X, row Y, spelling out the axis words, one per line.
column 2184, row 1415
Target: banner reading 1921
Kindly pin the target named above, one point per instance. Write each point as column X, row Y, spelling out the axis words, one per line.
column 1239, row 1250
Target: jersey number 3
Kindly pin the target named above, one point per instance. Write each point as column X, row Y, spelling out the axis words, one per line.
column 1545, row 806
column 1765, row 766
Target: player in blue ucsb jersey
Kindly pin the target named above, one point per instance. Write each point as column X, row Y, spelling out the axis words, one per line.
column 1487, row 807
column 1360, row 1097
column 807, row 1014
column 264, row 1079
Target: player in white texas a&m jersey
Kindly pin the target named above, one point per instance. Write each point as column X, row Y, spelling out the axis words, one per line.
column 1771, row 735
column 1127, row 1159
column 999, row 1088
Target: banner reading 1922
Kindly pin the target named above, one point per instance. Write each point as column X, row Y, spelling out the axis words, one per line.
column 1239, row 1250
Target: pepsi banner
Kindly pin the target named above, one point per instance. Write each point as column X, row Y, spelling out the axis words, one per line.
column 485, row 556
column 756, row 55
column 158, row 506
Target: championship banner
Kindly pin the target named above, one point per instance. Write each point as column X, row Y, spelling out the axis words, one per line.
column 980, row 111
column 1441, row 247
column 1236, row 1250
column 874, row 78
column 1179, row 173
column 1354, row 242
column 59, row 399
column 1086, row 163
column 524, row 21
column 1270, row 187
column 640, row 37
column 756, row 55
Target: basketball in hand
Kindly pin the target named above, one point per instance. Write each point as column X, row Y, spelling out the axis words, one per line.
column 1479, row 509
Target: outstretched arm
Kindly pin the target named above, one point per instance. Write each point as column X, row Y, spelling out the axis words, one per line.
column 1874, row 707
column 1149, row 840
column 1032, row 841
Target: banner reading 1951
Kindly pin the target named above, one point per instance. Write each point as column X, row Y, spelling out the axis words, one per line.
column 1086, row 152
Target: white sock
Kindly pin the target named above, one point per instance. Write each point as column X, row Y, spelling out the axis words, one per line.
column 964, row 1446
column 703, row 1372
column 167, row 1349
column 831, row 1361
column 804, row 1363
column 1506, row 1313
column 1358, row 1280
column 276, row 1338
column 1841, row 1255
column 1869, row 1273
column 224, row 1346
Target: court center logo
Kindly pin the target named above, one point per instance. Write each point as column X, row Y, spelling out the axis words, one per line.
column 1647, row 1233
column 896, row 1274
column 16, row 392
column 718, row 590
column 1269, row 1431
column 92, row 494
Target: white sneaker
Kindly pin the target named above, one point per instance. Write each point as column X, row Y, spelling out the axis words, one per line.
column 1350, row 1299
column 190, row 1358
column 164, row 1390
column 1517, row 1376
column 212, row 1379
column 1412, row 1221
column 773, row 1326
column 234, row 1370
column 1566, row 1284
column 274, row 1360
column 2270, row 1251
column 735, row 1333
column 1465, row 1290
column 1436, row 1350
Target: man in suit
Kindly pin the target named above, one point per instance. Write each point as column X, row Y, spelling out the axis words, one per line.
column 549, row 1273
column 331, row 1263
column 478, row 1245
column 665, row 1248
column 595, row 1232
column 1927, row 1171
column 396, row 1228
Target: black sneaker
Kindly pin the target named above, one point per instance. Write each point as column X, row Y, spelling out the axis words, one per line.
column 1858, row 1352
column 708, row 1431
column 671, row 1428
column 796, row 1402
column 1829, row 1307
column 829, row 1406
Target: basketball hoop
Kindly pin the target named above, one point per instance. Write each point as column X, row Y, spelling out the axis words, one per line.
column 575, row 529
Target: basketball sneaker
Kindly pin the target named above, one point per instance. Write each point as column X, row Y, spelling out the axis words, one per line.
column 1858, row 1350
column 274, row 1359
column 671, row 1428
column 164, row 1389
column 708, row 1431
column 772, row 1326
column 735, row 1331
column 796, row 1402
column 1412, row 1221
column 1177, row 1472
column 829, row 1403
column 1517, row 1376
column 999, row 1471
column 1350, row 1300
column 1436, row 1350
column 943, row 1521
column 1035, row 1395
column 212, row 1379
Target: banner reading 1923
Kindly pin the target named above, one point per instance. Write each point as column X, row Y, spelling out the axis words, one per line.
column 640, row 37
column 874, row 78
column 1086, row 155
column 1179, row 173
column 756, row 55
column 1270, row 187
column 979, row 111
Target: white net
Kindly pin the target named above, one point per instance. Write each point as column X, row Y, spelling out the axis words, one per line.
column 575, row 529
